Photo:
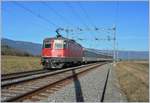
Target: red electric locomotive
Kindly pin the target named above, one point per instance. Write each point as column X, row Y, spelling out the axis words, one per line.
column 60, row 51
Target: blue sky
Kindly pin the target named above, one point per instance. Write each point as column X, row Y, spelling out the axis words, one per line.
column 34, row 21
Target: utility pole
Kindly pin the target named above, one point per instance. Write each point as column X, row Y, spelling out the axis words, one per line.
column 117, row 53
column 128, row 55
column 114, row 45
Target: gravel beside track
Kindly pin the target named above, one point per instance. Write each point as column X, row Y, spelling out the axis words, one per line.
column 88, row 88
column 113, row 91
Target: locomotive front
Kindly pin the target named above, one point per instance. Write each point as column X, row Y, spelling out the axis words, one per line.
column 53, row 53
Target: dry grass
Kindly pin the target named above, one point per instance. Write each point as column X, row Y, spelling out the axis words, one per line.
column 11, row 64
column 134, row 80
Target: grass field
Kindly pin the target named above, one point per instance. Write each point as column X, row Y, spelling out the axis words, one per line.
column 11, row 64
column 134, row 80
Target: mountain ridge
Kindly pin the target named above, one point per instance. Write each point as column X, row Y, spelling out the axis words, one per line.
column 30, row 47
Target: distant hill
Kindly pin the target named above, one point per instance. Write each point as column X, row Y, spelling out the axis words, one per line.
column 132, row 55
column 6, row 50
column 136, row 55
column 29, row 47
column 35, row 49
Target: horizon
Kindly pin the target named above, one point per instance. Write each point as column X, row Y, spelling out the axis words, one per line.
column 28, row 21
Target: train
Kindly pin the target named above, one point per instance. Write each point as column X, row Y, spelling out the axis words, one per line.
column 59, row 51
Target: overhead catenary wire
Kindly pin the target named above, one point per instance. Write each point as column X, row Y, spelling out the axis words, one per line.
column 62, row 18
column 37, row 23
column 36, row 14
column 91, row 21
column 88, row 17
column 76, row 15
column 96, row 29
column 57, row 13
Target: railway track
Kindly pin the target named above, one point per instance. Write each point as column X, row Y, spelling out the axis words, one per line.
column 38, row 86
column 11, row 76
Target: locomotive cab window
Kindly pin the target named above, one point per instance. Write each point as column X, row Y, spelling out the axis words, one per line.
column 47, row 45
column 58, row 44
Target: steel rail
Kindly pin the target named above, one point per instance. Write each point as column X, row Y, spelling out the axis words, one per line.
column 5, row 77
column 37, row 76
column 94, row 65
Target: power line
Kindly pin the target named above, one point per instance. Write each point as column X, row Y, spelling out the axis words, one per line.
column 88, row 17
column 57, row 13
column 86, row 14
column 91, row 22
column 62, row 17
column 77, row 16
column 35, row 14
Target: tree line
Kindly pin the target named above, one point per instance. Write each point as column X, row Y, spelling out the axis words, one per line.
column 7, row 50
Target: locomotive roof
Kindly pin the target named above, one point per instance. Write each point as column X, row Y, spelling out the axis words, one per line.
column 57, row 37
column 60, row 38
